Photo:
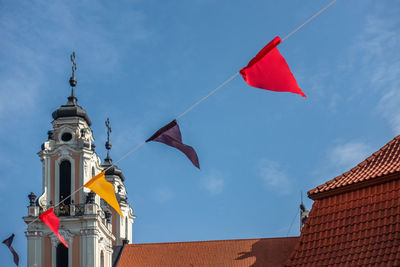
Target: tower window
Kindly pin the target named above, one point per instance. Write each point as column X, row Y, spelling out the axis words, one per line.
column 65, row 181
column 66, row 137
column 61, row 256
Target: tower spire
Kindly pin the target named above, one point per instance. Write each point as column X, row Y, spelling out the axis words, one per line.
column 108, row 143
column 72, row 81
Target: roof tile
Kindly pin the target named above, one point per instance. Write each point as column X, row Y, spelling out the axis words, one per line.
column 353, row 228
column 241, row 252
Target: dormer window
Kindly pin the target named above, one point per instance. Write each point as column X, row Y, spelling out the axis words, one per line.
column 66, row 136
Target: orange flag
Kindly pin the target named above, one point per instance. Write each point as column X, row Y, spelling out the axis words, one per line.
column 105, row 189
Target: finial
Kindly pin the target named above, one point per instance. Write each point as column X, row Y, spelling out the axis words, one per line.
column 72, row 81
column 301, row 196
column 32, row 198
column 302, row 207
column 108, row 143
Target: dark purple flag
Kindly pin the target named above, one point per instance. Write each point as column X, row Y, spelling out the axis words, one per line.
column 8, row 243
column 171, row 136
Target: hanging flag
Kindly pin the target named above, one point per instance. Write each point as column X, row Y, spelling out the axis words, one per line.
column 104, row 189
column 171, row 136
column 51, row 220
column 8, row 243
column 269, row 70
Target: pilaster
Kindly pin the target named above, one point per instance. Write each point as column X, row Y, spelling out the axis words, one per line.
column 35, row 247
column 89, row 248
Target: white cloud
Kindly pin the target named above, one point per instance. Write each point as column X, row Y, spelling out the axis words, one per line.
column 18, row 94
column 389, row 106
column 125, row 139
column 274, row 177
column 163, row 194
column 379, row 64
column 213, row 182
column 348, row 154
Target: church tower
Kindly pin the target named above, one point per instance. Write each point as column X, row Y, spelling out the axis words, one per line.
column 92, row 229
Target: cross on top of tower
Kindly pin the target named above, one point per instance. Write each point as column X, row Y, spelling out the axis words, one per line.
column 108, row 143
column 71, row 108
column 72, row 80
column 73, row 63
column 108, row 129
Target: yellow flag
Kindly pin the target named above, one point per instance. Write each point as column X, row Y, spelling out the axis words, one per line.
column 105, row 189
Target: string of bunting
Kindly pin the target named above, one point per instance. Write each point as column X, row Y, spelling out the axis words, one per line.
column 267, row 70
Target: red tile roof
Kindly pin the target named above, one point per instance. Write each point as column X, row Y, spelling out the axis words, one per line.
column 355, row 219
column 360, row 227
column 383, row 162
column 241, row 252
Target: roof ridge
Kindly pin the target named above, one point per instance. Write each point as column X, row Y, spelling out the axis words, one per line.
column 333, row 183
column 213, row 241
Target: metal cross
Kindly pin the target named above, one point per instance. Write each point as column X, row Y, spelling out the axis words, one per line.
column 108, row 129
column 73, row 63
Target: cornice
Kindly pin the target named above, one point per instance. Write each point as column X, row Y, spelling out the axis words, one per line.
column 356, row 186
column 90, row 232
column 33, row 234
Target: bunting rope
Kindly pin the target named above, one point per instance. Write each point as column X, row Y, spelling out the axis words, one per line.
column 129, row 152
column 234, row 76
column 291, row 224
column 185, row 112
column 207, row 96
column 310, row 19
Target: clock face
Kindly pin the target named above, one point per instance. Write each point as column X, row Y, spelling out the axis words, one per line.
column 66, row 137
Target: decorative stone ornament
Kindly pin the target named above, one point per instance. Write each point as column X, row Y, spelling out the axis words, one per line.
column 67, row 235
column 32, row 198
column 42, row 200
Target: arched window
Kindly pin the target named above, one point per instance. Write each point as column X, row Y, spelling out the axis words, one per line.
column 61, row 256
column 93, row 172
column 65, row 181
column 102, row 259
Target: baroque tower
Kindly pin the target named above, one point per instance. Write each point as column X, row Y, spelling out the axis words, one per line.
column 93, row 230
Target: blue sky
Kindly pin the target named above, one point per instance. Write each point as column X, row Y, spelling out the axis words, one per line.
column 142, row 63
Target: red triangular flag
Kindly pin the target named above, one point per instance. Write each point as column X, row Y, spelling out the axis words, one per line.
column 50, row 219
column 269, row 70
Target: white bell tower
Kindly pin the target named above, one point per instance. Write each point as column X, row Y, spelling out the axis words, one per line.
column 92, row 229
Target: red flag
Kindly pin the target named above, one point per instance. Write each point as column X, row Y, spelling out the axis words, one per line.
column 269, row 70
column 50, row 219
